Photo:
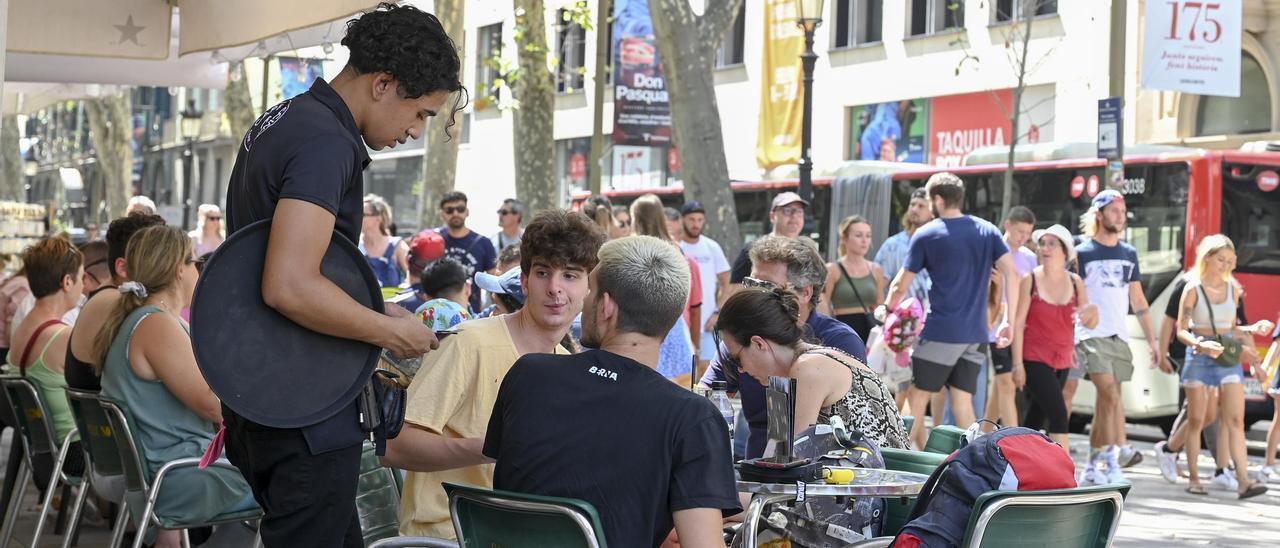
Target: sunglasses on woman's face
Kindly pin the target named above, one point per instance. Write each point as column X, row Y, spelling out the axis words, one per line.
column 729, row 363
column 213, row 218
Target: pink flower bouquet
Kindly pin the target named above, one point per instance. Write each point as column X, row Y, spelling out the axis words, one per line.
column 902, row 328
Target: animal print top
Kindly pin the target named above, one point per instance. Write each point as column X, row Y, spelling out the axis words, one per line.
column 868, row 406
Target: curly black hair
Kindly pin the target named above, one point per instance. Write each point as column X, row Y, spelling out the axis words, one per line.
column 407, row 43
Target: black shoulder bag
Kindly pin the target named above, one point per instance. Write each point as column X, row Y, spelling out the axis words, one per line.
column 1231, row 348
column 871, row 317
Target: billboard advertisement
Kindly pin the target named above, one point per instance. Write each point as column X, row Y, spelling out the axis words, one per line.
column 641, row 108
column 1193, row 47
column 781, row 100
column 895, row 131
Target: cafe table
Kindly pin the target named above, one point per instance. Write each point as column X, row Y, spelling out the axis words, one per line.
column 867, row 482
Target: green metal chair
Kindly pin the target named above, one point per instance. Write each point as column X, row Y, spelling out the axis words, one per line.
column 140, row 483
column 377, row 498
column 484, row 517
column 1083, row 517
column 39, row 441
column 944, row 439
column 102, row 460
column 898, row 509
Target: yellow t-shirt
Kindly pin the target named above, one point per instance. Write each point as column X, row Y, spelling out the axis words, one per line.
column 453, row 395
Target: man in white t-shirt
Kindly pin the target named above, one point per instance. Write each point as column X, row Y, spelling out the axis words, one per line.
column 713, row 268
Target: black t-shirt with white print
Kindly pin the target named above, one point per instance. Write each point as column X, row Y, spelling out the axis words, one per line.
column 606, row 429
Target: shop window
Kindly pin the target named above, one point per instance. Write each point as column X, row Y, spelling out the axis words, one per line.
column 1248, row 113
column 858, row 22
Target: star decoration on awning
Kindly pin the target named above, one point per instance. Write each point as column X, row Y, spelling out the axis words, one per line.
column 129, row 31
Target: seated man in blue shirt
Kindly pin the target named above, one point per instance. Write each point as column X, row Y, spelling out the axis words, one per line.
column 777, row 260
column 605, row 427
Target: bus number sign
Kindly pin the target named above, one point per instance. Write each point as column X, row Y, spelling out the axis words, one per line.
column 1133, row 186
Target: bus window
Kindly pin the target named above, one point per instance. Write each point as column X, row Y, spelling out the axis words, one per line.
column 1251, row 217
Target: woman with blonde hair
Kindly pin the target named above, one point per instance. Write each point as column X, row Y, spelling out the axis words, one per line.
column 1212, row 376
column 209, row 231
column 855, row 285
column 148, row 365
column 391, row 261
column 680, row 346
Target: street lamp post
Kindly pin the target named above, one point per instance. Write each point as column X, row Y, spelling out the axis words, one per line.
column 190, row 131
column 808, row 17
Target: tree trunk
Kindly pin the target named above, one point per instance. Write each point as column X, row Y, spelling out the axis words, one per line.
column 1015, row 110
column 687, row 44
column 440, row 166
column 12, row 185
column 535, row 148
column 240, row 112
column 111, row 129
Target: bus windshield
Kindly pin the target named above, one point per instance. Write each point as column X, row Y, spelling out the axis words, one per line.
column 1251, row 216
column 1156, row 195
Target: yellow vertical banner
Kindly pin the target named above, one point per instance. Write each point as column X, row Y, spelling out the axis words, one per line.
column 781, row 100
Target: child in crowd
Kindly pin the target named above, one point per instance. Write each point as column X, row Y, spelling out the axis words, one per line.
column 445, row 282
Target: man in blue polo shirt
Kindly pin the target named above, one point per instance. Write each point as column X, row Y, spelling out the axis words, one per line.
column 300, row 165
column 776, row 261
column 958, row 250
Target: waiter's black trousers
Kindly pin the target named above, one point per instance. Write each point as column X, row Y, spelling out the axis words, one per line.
column 309, row 500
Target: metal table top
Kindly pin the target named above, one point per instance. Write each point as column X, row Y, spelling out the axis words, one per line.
column 866, row 482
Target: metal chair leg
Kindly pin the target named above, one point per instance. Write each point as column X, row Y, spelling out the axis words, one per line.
column 15, row 503
column 122, row 522
column 186, row 539
column 55, row 476
column 145, row 520
column 70, row 534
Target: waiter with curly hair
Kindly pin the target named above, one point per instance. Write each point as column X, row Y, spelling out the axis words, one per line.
column 301, row 165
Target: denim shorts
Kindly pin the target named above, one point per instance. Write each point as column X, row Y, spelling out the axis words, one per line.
column 1201, row 370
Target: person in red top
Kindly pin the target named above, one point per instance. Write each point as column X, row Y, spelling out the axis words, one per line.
column 1043, row 347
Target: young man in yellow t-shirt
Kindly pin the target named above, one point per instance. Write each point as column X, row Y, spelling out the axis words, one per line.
column 452, row 396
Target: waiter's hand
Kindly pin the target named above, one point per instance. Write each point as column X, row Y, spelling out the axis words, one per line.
column 408, row 336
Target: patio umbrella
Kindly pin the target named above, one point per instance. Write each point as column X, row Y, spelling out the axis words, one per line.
column 159, row 42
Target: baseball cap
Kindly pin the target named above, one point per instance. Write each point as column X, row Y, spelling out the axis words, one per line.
column 507, row 283
column 787, row 198
column 692, row 207
column 426, row 246
column 1105, row 198
column 1063, row 235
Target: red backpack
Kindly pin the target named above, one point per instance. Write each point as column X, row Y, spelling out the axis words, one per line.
column 1016, row 458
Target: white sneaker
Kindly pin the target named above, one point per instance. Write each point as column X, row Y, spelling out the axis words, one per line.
column 1115, row 475
column 1129, row 456
column 1226, row 480
column 1269, row 474
column 1168, row 463
column 1091, row 475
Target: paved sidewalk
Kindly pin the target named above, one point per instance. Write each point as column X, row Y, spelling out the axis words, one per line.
column 1158, row 513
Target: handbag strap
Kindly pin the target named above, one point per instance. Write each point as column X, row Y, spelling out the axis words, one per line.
column 1213, row 324
column 847, row 278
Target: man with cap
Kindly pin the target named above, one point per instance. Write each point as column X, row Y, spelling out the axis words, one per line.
column 959, row 251
column 786, row 215
column 426, row 247
column 510, row 219
column 1114, row 283
column 713, row 272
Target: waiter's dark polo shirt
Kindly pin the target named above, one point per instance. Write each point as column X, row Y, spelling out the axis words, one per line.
column 306, row 148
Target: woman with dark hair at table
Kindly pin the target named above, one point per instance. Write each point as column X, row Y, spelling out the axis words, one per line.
column 763, row 336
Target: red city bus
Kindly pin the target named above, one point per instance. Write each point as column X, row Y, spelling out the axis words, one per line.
column 1176, row 197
